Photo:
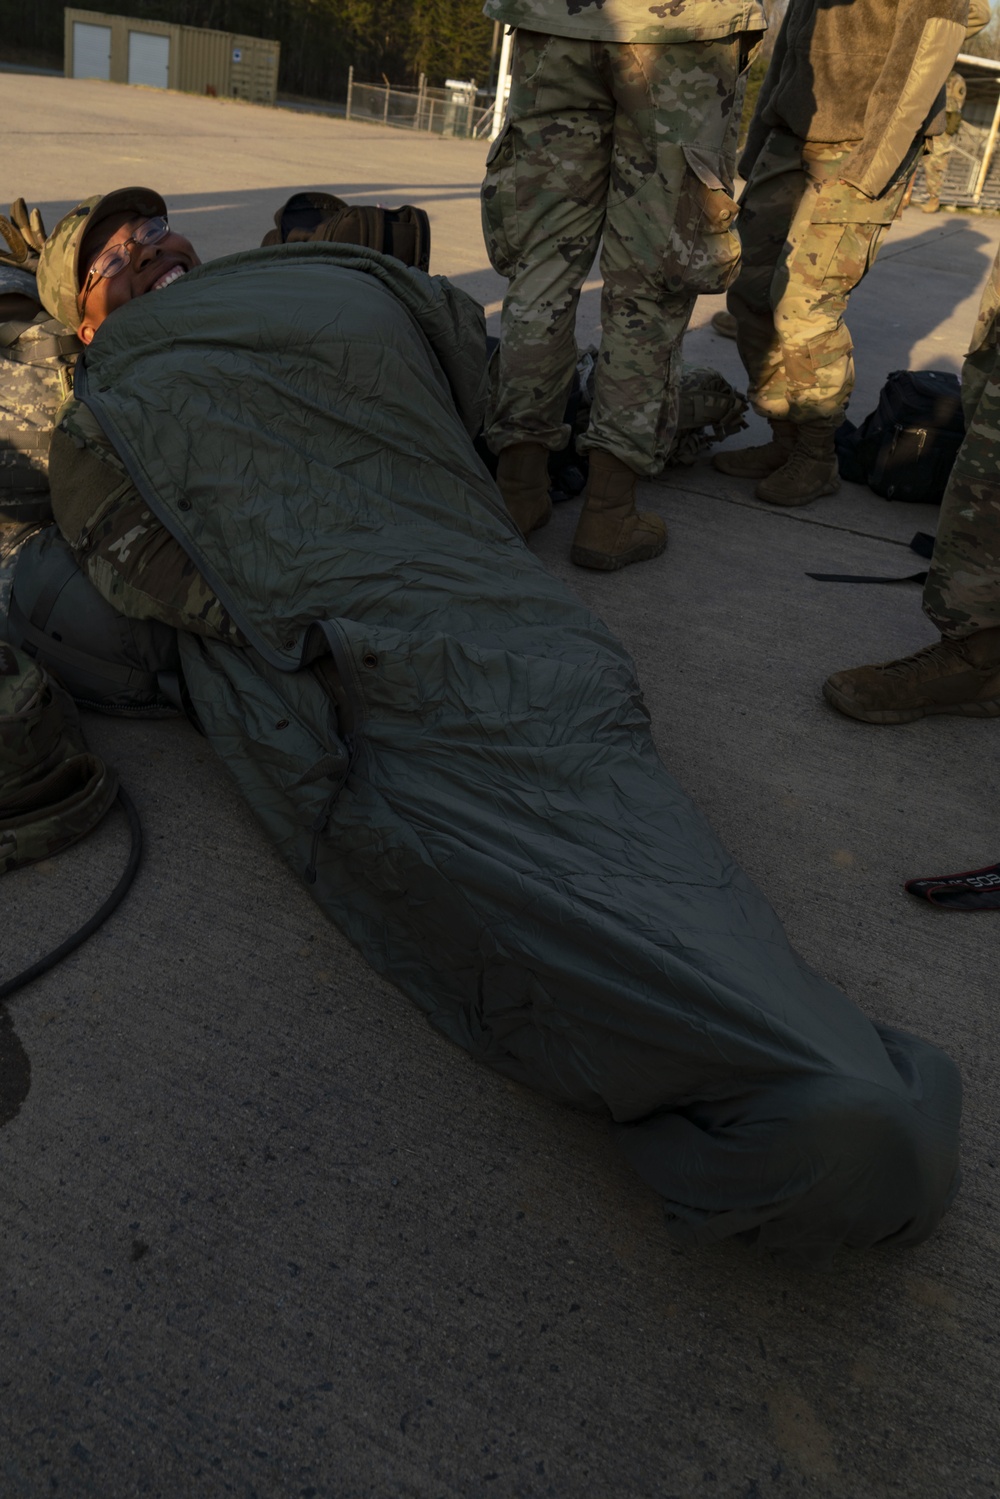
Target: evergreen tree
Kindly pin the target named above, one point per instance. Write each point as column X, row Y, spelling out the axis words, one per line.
column 320, row 39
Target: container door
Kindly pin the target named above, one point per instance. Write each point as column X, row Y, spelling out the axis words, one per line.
column 91, row 51
column 148, row 58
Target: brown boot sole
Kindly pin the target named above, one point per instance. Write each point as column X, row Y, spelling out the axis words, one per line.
column 542, row 518
column 829, row 486
column 988, row 708
column 611, row 562
column 729, row 464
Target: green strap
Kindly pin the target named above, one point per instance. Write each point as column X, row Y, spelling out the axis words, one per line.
column 11, row 331
column 45, row 339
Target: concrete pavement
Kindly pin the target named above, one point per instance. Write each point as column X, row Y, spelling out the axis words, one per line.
column 264, row 1233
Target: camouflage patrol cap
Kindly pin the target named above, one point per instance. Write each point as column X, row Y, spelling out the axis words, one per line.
column 59, row 263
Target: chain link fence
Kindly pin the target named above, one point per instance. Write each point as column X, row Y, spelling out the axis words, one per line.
column 964, row 172
column 972, row 174
column 458, row 109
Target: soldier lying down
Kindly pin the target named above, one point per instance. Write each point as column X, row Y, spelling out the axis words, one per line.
column 273, row 454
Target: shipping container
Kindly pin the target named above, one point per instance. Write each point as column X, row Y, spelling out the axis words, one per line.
column 125, row 49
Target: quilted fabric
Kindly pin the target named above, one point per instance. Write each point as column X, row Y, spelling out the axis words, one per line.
column 456, row 755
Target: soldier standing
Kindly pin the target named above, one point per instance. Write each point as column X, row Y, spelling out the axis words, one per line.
column 960, row 673
column 851, row 93
column 621, row 123
column 941, row 146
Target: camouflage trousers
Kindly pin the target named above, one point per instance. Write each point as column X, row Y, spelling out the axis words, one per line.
column 635, row 143
column 808, row 239
column 936, row 163
column 129, row 556
column 962, row 592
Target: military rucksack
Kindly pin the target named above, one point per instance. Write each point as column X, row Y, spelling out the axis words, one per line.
column 402, row 232
column 37, row 355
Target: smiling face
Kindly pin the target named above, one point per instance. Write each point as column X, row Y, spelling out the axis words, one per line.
column 150, row 267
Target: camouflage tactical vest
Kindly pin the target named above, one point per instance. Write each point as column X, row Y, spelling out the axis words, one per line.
column 37, row 355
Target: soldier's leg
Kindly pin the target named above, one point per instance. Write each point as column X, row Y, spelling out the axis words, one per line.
column 935, row 166
column 960, row 673
column 543, row 211
column 668, row 235
column 831, row 245
column 132, row 560
column 768, row 207
column 962, row 592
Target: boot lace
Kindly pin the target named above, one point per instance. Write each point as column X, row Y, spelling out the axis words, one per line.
column 798, row 462
column 928, row 661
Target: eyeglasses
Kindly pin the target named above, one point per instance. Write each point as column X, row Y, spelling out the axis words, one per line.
column 116, row 257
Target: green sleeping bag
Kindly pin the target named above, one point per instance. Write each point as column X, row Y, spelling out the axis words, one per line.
column 455, row 754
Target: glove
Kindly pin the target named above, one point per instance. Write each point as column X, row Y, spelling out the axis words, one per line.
column 21, row 236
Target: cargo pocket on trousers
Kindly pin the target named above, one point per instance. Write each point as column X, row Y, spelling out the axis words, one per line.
column 832, row 258
column 499, row 203
column 703, row 252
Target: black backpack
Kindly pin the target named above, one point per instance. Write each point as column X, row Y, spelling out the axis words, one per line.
column 905, row 449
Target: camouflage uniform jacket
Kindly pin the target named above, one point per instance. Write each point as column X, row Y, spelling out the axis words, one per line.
column 644, row 21
column 872, row 73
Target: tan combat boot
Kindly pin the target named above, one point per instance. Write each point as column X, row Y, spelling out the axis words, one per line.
column 724, row 323
column 931, row 206
column 953, row 676
column 758, row 462
column 523, row 480
column 811, row 467
column 610, row 533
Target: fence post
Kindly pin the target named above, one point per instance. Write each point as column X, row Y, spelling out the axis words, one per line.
column 350, row 89
column 503, row 83
column 987, row 154
column 385, row 112
column 421, row 98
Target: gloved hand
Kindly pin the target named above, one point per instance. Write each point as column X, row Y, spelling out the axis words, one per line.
column 23, row 234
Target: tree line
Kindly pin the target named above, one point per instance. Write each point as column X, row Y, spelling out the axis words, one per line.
column 320, row 39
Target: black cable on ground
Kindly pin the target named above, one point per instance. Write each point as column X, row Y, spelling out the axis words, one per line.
column 113, row 901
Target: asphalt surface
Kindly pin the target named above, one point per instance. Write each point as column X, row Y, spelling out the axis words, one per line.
column 264, row 1233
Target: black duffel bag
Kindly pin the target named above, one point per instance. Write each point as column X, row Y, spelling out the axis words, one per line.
column 905, row 448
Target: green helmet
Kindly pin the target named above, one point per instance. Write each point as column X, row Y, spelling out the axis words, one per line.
column 59, row 262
